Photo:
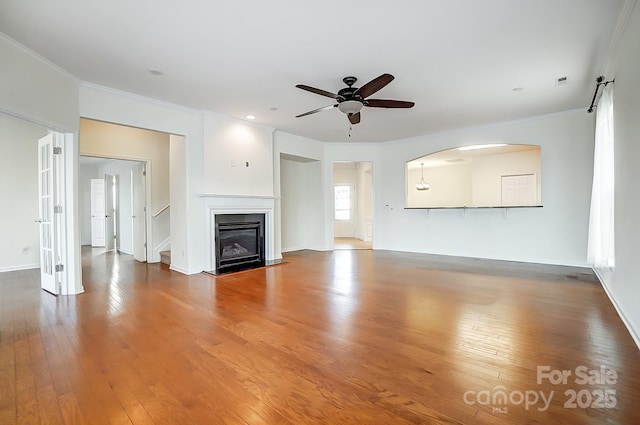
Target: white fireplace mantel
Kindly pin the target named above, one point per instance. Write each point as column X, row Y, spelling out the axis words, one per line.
column 238, row 204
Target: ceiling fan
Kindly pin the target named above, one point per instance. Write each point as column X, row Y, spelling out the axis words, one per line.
column 351, row 99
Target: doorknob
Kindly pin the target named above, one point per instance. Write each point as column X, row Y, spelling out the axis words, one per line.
column 38, row 220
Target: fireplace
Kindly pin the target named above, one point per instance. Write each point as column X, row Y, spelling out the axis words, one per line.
column 239, row 242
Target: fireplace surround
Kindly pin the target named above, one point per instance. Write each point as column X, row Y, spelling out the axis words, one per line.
column 215, row 206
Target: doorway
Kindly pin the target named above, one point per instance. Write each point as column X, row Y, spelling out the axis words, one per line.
column 353, row 205
column 113, row 205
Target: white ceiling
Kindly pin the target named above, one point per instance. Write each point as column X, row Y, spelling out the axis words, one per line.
column 459, row 61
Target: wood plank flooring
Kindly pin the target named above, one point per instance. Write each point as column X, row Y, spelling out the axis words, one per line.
column 351, row 243
column 343, row 337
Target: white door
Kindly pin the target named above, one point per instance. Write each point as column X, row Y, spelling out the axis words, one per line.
column 138, row 201
column 48, row 188
column 519, row 190
column 97, row 213
column 109, row 212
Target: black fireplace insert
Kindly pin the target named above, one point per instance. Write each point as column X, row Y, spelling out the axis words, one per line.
column 239, row 242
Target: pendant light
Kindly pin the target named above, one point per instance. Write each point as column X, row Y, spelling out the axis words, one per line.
column 422, row 185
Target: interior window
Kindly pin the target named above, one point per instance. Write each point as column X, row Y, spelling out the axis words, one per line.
column 343, row 203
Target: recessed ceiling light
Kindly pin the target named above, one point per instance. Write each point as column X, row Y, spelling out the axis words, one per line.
column 155, row 72
column 251, row 117
column 518, row 88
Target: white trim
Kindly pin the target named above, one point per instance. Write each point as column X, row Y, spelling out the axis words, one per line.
column 621, row 25
column 292, row 249
column 154, row 215
column 139, row 98
column 21, row 267
column 215, row 195
column 635, row 333
column 183, row 271
column 39, row 58
column 162, row 246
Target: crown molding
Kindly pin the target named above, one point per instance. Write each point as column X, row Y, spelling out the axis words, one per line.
column 39, row 58
column 621, row 26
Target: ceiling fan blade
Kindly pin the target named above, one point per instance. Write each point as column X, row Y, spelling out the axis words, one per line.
column 324, row 108
column 317, row 91
column 354, row 118
column 385, row 103
column 374, row 85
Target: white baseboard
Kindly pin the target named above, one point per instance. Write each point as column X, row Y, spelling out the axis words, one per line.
column 20, row 267
column 291, row 249
column 635, row 333
column 183, row 271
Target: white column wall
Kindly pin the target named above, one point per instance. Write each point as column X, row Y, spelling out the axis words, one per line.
column 555, row 233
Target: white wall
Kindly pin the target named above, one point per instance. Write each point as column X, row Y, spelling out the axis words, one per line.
column 623, row 282
column 178, row 180
column 20, row 246
column 35, row 90
column 238, row 157
column 300, row 203
column 310, row 153
column 556, row 233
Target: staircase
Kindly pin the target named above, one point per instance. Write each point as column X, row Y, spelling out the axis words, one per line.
column 165, row 257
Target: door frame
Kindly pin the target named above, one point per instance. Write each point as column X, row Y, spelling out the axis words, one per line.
column 110, row 223
column 148, row 195
column 95, row 243
column 330, row 191
column 142, row 168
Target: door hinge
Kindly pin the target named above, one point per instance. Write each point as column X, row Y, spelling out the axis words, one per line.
column 57, row 150
column 57, row 209
column 144, row 173
column 145, row 244
column 59, row 267
column 145, row 209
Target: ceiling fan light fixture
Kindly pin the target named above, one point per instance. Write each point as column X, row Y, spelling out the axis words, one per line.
column 350, row 106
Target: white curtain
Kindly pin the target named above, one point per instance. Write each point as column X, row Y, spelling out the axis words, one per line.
column 601, row 248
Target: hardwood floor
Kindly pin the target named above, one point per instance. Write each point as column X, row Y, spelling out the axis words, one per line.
column 351, row 243
column 343, row 337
